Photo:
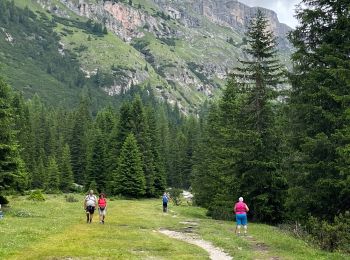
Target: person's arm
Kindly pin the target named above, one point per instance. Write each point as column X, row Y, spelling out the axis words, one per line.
column 85, row 203
column 246, row 208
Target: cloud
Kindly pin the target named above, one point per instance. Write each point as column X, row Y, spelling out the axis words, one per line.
column 285, row 9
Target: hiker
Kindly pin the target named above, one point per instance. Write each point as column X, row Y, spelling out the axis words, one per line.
column 241, row 210
column 102, row 207
column 89, row 205
column 1, row 214
column 165, row 202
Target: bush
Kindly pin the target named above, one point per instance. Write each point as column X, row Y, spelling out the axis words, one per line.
column 3, row 200
column 36, row 195
column 331, row 236
column 175, row 195
column 71, row 198
column 221, row 209
column 77, row 188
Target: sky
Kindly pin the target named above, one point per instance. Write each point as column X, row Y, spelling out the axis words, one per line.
column 283, row 8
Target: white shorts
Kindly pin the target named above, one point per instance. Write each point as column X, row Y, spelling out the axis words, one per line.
column 102, row 212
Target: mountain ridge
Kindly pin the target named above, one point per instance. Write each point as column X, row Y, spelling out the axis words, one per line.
column 182, row 49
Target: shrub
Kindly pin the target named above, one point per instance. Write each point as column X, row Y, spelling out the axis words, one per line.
column 331, row 236
column 3, row 200
column 71, row 198
column 221, row 210
column 175, row 195
column 77, row 188
column 36, row 195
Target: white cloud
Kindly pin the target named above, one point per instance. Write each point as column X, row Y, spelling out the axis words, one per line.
column 285, row 9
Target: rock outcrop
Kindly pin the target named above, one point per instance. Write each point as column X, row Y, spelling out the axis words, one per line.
column 227, row 13
column 186, row 42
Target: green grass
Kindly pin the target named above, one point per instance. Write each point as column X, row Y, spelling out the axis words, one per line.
column 56, row 229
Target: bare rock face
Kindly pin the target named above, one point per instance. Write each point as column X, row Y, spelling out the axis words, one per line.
column 229, row 13
column 197, row 55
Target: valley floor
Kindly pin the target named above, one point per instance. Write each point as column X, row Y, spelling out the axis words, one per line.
column 135, row 229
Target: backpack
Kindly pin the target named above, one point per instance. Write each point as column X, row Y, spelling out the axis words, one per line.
column 165, row 199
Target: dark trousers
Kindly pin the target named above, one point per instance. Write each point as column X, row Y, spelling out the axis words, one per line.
column 165, row 206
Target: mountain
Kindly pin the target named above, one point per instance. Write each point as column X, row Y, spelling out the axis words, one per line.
column 183, row 49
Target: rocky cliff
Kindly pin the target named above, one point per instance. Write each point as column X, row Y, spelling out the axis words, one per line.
column 232, row 14
column 180, row 47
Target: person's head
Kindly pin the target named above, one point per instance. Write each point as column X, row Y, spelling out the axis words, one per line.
column 91, row 192
column 164, row 194
column 102, row 195
column 240, row 199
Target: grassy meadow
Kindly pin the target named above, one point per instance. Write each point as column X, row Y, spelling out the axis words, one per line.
column 56, row 229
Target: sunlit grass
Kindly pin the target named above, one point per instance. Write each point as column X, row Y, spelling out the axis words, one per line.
column 56, row 229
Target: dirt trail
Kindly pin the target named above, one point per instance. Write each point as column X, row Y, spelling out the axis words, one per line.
column 215, row 253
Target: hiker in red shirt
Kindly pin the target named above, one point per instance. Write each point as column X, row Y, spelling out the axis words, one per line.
column 241, row 210
column 102, row 207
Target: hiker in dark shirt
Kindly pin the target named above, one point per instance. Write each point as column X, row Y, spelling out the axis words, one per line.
column 165, row 199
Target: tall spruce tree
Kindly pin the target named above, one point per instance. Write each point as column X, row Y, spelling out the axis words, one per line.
column 130, row 179
column 39, row 176
column 67, row 179
column 242, row 155
column 141, row 131
column 78, row 141
column 12, row 174
column 53, row 183
column 320, row 110
column 159, row 168
column 262, row 181
column 206, row 181
column 96, row 162
column 118, row 136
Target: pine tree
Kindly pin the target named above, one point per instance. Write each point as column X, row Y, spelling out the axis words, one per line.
column 123, row 128
column 177, row 157
column 320, row 110
column 39, row 129
column 39, row 176
column 66, row 170
column 130, row 179
column 53, row 173
column 96, row 162
column 240, row 140
column 140, row 129
column 206, row 181
column 12, row 175
column 261, row 179
column 159, row 168
column 78, row 141
column 191, row 131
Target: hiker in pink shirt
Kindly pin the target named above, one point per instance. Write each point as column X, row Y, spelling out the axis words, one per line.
column 241, row 210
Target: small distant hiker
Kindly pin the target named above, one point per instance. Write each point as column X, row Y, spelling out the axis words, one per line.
column 102, row 207
column 90, row 205
column 241, row 210
column 1, row 214
column 165, row 202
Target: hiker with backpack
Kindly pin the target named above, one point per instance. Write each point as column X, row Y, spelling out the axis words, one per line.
column 90, row 205
column 102, row 207
column 241, row 210
column 165, row 199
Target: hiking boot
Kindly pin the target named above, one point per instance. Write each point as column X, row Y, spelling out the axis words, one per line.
column 103, row 221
